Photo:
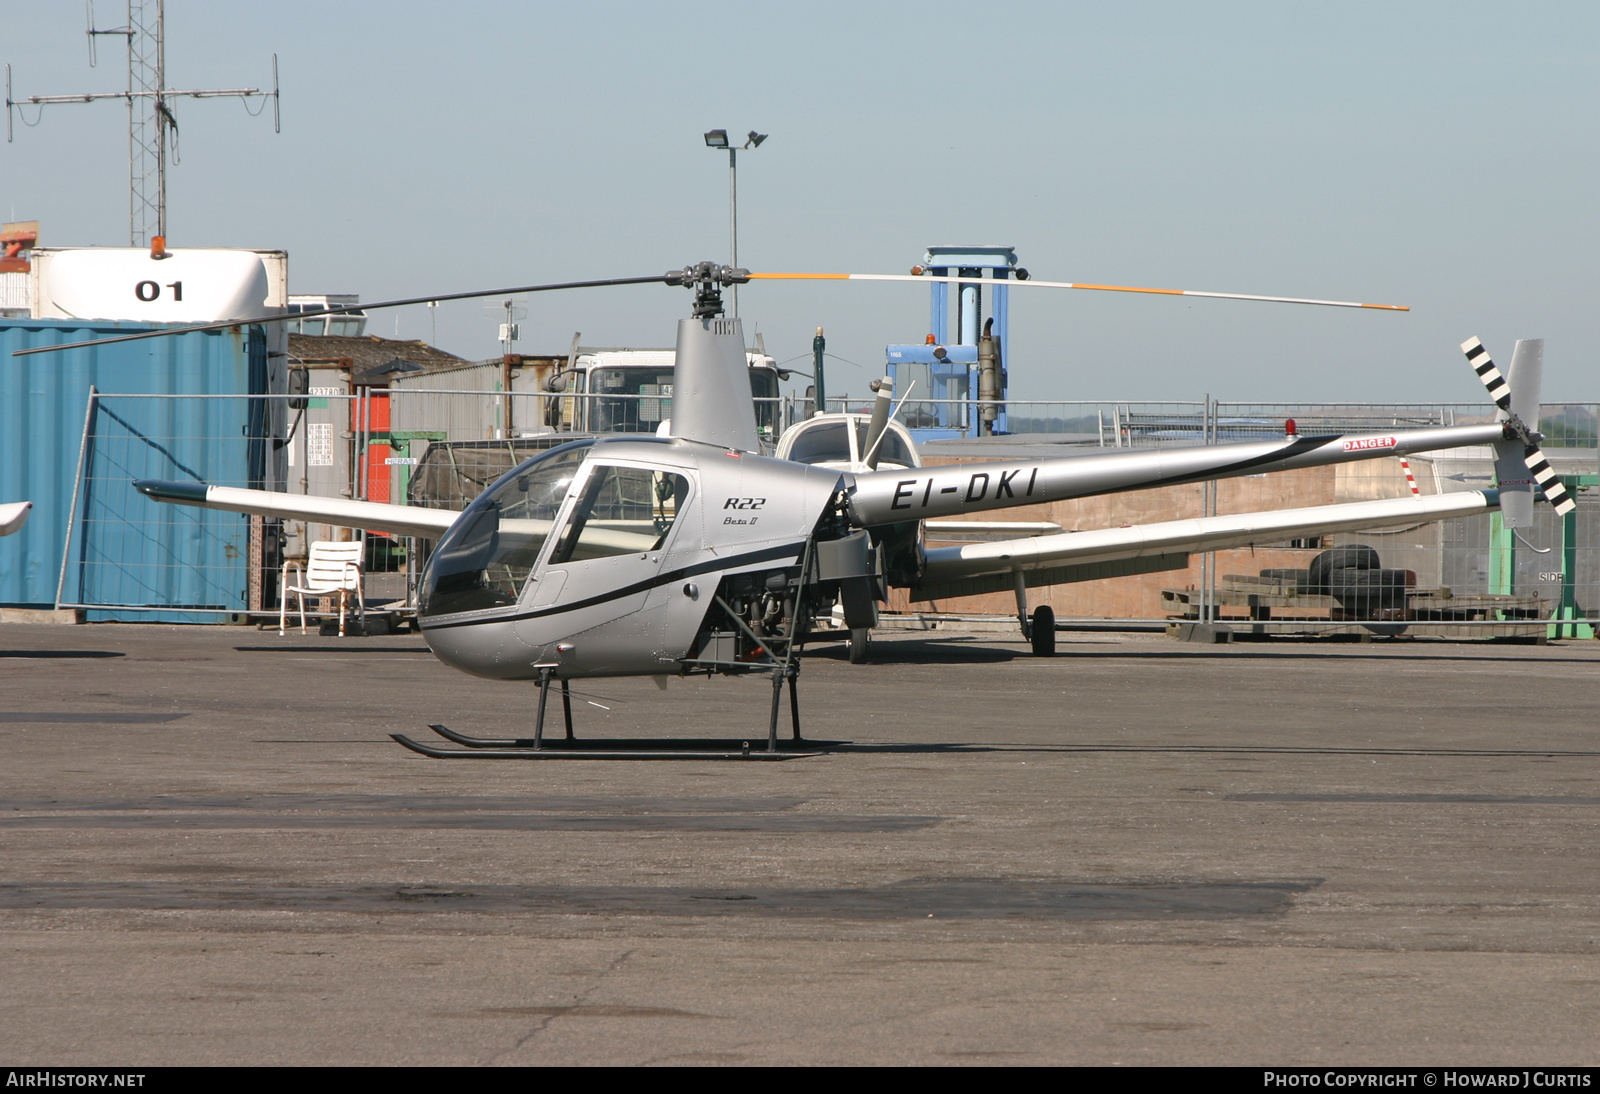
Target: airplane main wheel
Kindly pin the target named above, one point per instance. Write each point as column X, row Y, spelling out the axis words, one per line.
column 1043, row 631
column 860, row 639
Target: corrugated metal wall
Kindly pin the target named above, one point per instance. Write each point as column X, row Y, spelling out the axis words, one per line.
column 43, row 399
column 466, row 418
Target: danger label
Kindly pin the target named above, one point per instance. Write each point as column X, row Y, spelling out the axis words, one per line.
column 1362, row 444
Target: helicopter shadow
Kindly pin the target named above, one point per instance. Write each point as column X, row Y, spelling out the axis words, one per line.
column 1314, row 655
column 973, row 748
column 331, row 649
column 61, row 654
column 931, row 651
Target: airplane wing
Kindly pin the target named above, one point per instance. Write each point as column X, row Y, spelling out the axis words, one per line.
column 13, row 515
column 994, row 527
column 403, row 520
column 1114, row 552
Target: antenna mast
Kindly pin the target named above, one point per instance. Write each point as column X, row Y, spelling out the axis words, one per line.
column 150, row 116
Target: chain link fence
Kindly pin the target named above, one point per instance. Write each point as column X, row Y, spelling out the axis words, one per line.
column 130, row 558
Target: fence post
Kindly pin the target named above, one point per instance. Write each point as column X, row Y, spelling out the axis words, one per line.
column 77, row 487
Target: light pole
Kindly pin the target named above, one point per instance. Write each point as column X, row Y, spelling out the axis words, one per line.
column 718, row 138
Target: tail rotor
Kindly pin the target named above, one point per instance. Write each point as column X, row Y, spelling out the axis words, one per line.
column 1519, row 455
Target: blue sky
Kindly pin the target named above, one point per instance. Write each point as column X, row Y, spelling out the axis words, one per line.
column 1432, row 154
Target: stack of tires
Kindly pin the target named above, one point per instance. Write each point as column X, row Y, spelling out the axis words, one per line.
column 1353, row 575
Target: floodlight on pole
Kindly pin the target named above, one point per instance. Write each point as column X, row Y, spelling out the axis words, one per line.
column 718, row 139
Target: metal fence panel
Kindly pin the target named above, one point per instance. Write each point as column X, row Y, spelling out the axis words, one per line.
column 442, row 447
column 125, row 551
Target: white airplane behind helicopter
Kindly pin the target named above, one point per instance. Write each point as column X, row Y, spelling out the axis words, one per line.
column 13, row 515
column 691, row 553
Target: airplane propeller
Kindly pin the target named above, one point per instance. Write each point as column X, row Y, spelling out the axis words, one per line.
column 1501, row 392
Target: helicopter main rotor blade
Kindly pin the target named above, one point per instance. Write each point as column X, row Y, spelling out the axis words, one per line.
column 1010, row 284
column 224, row 324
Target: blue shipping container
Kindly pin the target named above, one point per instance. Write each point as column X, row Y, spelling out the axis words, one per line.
column 136, row 554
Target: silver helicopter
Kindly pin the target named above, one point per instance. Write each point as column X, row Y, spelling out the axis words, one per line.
column 692, row 553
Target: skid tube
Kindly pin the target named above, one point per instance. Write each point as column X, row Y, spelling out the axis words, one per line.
column 574, row 748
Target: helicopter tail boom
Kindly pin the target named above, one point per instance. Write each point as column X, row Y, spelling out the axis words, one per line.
column 891, row 497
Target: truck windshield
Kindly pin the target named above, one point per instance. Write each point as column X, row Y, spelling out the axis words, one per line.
column 638, row 399
column 764, row 390
column 629, row 400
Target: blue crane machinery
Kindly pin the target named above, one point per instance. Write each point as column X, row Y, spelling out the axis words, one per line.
column 959, row 369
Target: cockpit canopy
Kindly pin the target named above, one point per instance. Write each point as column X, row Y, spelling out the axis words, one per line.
column 840, row 440
column 486, row 558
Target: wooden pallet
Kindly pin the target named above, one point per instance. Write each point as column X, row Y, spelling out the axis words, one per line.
column 1255, row 605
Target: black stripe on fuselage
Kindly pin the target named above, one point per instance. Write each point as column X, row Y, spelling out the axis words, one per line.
column 1299, row 447
column 770, row 554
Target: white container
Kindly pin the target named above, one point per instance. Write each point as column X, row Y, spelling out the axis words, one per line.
column 183, row 286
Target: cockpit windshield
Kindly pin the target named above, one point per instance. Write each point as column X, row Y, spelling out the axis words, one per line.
column 826, row 442
column 829, row 442
column 485, row 558
column 891, row 449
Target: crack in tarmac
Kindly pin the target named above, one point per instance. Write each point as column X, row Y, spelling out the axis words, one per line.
column 582, row 999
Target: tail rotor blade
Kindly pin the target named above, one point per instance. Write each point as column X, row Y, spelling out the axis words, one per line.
column 1527, row 365
column 1554, row 492
column 1484, row 366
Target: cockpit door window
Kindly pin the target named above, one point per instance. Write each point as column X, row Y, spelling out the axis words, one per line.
column 620, row 511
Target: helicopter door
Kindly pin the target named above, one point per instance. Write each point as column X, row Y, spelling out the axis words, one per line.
column 608, row 552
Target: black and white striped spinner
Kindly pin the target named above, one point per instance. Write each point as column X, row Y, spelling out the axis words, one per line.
column 1483, row 364
column 1554, row 492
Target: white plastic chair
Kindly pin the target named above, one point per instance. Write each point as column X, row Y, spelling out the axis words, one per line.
column 331, row 568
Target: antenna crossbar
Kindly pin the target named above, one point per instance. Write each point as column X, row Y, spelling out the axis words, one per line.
column 150, row 118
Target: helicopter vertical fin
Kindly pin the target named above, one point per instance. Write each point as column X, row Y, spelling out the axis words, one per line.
column 1510, row 472
column 711, row 385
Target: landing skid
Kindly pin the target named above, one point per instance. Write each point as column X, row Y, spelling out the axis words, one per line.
column 573, row 748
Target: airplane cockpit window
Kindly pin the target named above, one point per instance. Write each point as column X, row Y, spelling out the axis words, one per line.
column 826, row 442
column 485, row 558
column 892, row 449
column 623, row 510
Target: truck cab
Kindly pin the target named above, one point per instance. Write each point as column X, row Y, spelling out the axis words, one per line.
column 630, row 391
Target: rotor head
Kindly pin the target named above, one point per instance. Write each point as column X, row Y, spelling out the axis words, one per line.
column 707, row 279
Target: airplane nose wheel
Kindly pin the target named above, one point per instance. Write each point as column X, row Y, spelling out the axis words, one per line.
column 860, row 642
column 1042, row 632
